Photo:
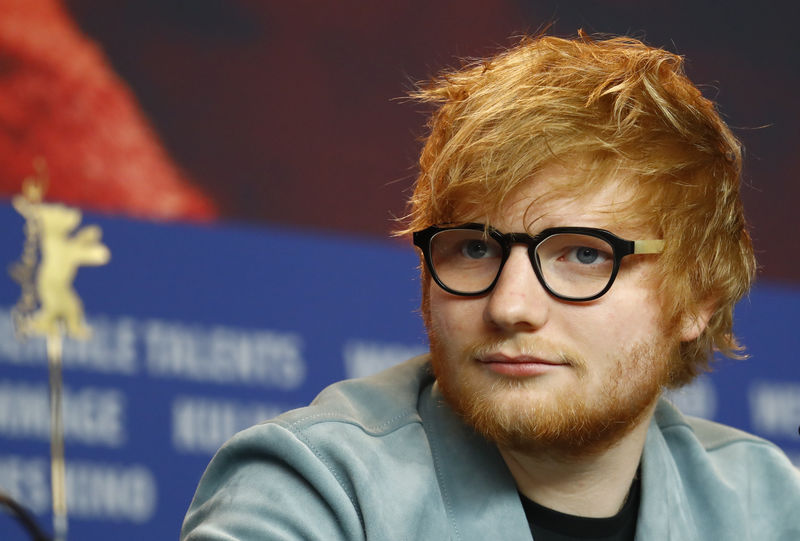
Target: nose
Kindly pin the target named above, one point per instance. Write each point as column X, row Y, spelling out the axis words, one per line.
column 518, row 302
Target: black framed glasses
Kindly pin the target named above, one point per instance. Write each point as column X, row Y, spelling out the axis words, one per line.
column 572, row 263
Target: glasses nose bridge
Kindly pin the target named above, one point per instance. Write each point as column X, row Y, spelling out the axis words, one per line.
column 509, row 240
column 531, row 242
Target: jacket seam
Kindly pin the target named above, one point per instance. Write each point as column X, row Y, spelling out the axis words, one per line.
column 300, row 428
column 333, row 471
column 726, row 443
column 302, row 425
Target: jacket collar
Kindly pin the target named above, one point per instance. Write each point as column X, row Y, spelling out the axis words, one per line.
column 481, row 497
column 478, row 491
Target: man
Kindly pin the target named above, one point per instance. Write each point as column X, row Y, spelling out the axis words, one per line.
column 578, row 217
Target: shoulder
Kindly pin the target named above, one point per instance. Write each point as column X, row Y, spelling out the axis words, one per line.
column 729, row 465
column 712, row 438
column 324, row 470
column 344, row 422
column 375, row 404
column 704, row 480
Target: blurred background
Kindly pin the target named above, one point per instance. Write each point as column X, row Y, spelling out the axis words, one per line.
column 247, row 161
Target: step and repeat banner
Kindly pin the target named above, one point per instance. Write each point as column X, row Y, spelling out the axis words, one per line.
column 201, row 331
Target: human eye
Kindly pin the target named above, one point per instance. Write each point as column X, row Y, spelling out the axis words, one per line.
column 586, row 255
column 477, row 249
column 576, row 251
column 464, row 248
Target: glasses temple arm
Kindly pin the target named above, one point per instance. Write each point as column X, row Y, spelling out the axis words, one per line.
column 648, row 246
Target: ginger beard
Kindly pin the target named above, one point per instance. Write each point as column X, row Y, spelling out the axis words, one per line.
column 529, row 415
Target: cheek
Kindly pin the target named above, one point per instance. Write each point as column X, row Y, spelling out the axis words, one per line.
column 595, row 336
column 620, row 321
column 453, row 318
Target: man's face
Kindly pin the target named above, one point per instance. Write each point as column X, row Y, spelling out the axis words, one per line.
column 531, row 371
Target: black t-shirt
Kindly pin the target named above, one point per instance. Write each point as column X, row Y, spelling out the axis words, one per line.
column 549, row 525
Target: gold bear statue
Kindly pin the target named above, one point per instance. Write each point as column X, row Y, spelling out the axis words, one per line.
column 62, row 252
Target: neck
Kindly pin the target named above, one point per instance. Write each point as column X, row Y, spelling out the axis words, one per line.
column 591, row 485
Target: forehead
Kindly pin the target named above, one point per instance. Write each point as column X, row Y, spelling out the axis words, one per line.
column 558, row 196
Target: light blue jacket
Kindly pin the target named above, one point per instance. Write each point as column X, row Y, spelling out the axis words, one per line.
column 384, row 458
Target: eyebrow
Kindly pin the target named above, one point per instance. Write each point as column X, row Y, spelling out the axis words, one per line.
column 640, row 246
column 617, row 228
column 550, row 225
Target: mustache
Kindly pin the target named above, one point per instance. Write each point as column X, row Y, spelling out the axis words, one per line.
column 527, row 347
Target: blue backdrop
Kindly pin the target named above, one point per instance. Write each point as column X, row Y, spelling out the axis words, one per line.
column 201, row 331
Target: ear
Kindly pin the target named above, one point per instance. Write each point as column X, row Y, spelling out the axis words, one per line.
column 693, row 325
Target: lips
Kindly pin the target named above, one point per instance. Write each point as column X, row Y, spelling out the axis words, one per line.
column 520, row 365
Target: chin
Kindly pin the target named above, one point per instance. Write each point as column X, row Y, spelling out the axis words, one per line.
column 574, row 418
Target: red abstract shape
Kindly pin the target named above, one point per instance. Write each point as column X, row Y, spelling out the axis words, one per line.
column 60, row 101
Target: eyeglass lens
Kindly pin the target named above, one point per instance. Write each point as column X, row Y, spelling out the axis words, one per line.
column 572, row 265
